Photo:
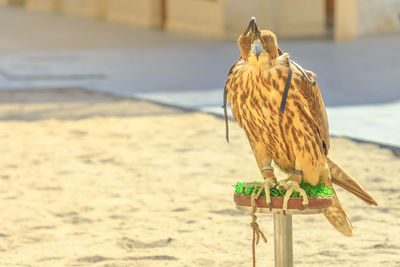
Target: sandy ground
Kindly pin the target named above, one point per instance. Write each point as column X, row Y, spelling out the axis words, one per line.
column 93, row 182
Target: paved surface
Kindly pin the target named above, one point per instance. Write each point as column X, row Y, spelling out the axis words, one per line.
column 41, row 50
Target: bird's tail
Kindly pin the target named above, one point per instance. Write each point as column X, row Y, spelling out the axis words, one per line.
column 344, row 180
column 338, row 218
column 335, row 214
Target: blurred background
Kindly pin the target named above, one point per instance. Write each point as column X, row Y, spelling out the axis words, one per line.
column 112, row 142
column 178, row 52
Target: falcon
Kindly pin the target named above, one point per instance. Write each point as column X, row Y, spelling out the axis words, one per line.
column 280, row 108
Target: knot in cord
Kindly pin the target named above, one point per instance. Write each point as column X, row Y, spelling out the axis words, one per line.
column 257, row 231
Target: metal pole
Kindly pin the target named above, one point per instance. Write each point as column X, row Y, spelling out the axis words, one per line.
column 283, row 240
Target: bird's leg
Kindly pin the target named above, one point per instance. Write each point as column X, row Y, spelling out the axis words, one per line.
column 270, row 181
column 291, row 184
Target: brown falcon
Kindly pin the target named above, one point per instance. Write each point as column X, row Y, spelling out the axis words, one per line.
column 280, row 108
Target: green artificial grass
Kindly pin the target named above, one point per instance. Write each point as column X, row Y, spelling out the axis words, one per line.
column 318, row 191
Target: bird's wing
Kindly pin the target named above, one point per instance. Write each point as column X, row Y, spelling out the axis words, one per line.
column 314, row 102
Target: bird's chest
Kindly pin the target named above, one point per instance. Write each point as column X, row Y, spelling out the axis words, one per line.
column 255, row 98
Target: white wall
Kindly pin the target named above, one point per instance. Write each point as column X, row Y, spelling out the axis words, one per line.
column 239, row 12
column 355, row 18
column 376, row 16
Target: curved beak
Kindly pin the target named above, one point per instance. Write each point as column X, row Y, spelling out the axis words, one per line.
column 251, row 26
column 254, row 35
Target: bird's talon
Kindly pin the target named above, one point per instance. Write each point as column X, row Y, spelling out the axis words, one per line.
column 293, row 186
column 269, row 206
column 282, row 185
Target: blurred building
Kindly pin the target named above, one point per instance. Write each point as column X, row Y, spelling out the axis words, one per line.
column 338, row 19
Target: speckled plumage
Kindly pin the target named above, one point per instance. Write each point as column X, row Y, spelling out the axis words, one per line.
column 293, row 139
column 297, row 139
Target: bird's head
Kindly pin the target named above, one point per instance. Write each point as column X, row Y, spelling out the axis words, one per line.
column 256, row 45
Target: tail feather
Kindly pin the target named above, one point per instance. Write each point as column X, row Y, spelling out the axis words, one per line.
column 338, row 218
column 344, row 180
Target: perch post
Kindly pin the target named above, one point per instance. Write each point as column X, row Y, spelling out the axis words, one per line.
column 283, row 240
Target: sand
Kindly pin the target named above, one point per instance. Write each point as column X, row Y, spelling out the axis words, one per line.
column 88, row 183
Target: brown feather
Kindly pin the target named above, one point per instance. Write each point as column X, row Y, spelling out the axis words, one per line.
column 315, row 104
column 338, row 218
column 344, row 180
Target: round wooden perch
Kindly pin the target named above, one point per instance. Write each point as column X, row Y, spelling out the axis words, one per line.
column 315, row 205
